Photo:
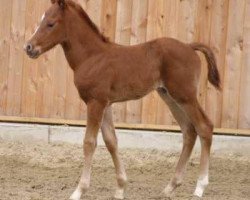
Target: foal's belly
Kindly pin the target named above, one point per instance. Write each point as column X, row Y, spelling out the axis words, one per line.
column 123, row 96
column 132, row 92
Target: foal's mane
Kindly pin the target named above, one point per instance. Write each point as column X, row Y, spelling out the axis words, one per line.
column 86, row 18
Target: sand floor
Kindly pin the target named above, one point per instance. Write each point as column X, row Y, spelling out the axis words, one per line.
column 51, row 172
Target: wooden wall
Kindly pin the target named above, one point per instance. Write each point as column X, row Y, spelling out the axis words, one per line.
column 44, row 88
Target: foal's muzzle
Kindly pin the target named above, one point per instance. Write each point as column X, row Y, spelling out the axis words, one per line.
column 31, row 51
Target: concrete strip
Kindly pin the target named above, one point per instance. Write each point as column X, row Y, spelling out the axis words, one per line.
column 23, row 132
column 127, row 138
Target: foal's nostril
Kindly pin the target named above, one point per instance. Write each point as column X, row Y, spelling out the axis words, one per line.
column 29, row 47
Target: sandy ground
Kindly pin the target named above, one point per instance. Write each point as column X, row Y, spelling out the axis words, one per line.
column 51, row 172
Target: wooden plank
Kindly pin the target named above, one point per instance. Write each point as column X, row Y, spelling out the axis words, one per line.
column 5, row 24
column 154, row 30
column 94, row 9
column 138, row 35
column 60, row 68
column 122, row 36
column 221, row 131
column 203, row 25
column 83, row 3
column 233, row 64
column 16, row 58
column 108, row 19
column 218, row 40
column 169, row 15
column 45, row 86
column 187, row 18
column 171, row 18
column 44, row 95
column 30, row 67
column 244, row 108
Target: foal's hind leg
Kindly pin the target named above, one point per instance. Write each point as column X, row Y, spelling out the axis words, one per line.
column 189, row 138
column 204, row 129
column 108, row 132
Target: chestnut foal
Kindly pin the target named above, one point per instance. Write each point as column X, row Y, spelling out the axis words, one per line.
column 105, row 73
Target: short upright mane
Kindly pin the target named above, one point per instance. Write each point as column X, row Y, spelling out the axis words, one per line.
column 86, row 18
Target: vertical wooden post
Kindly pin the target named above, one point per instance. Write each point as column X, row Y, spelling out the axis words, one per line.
column 218, row 41
column 233, row 64
column 44, row 95
column 30, row 67
column 5, row 24
column 122, row 36
column 244, row 107
column 169, row 17
column 138, row 35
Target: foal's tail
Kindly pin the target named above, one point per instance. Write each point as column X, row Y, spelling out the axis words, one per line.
column 213, row 73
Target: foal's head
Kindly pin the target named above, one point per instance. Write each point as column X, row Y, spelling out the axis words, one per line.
column 50, row 32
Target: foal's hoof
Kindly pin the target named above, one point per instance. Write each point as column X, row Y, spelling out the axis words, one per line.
column 168, row 192
column 119, row 194
column 198, row 193
column 76, row 195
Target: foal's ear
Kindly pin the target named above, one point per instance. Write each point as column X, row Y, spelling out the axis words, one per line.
column 60, row 2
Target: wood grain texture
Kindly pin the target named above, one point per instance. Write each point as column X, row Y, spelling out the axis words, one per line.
column 203, row 24
column 169, row 18
column 122, row 36
column 154, row 30
column 44, row 95
column 244, row 108
column 138, row 35
column 16, row 58
column 30, row 67
column 5, row 35
column 218, row 39
column 233, row 65
column 44, row 88
column 108, row 18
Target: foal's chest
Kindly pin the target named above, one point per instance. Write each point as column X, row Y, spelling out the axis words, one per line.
column 91, row 86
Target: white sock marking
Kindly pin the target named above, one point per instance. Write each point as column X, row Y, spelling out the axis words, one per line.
column 76, row 195
column 119, row 194
column 201, row 184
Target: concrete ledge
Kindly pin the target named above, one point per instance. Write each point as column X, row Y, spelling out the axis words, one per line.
column 24, row 132
column 127, row 138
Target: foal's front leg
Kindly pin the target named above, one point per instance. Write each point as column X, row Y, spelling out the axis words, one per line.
column 95, row 111
column 108, row 132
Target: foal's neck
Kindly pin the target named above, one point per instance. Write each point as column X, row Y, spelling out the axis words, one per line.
column 82, row 42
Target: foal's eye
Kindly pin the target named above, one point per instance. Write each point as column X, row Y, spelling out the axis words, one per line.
column 50, row 25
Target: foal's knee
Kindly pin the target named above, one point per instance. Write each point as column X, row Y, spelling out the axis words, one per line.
column 90, row 144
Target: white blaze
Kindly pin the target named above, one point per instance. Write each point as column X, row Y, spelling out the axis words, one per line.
column 43, row 16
